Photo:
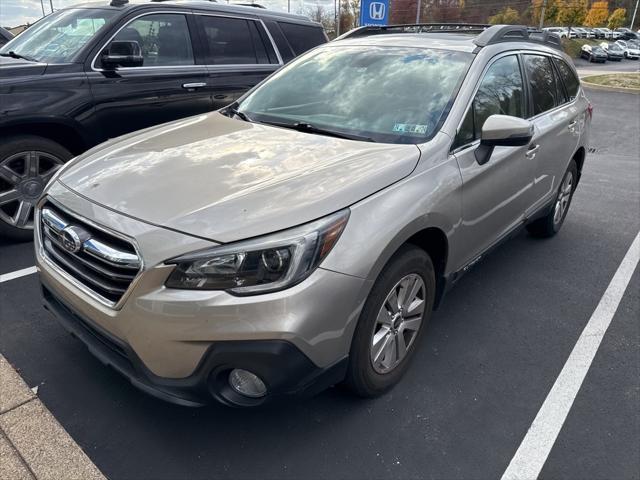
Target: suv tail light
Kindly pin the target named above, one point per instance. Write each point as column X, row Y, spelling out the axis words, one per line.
column 590, row 110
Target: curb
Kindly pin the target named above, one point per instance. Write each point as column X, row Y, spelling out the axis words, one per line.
column 33, row 444
column 597, row 86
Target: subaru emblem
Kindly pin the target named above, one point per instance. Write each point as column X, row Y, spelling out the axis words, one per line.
column 72, row 238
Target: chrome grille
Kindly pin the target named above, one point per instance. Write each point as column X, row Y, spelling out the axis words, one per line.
column 102, row 262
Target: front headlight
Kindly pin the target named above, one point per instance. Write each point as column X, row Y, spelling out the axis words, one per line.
column 265, row 264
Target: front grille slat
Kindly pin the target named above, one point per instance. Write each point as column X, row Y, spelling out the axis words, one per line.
column 102, row 262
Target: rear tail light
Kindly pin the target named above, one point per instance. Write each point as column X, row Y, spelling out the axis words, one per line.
column 590, row 110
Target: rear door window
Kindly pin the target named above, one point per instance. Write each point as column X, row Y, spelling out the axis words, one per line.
column 542, row 83
column 302, row 37
column 571, row 82
column 234, row 41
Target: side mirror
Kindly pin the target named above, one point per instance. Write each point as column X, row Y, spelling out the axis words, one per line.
column 124, row 53
column 502, row 131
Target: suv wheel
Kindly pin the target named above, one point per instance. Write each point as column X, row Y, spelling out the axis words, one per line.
column 550, row 224
column 391, row 323
column 27, row 163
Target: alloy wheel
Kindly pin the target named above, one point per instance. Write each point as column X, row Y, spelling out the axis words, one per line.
column 564, row 197
column 398, row 323
column 23, row 177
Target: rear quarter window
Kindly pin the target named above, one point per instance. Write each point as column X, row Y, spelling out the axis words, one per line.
column 302, row 37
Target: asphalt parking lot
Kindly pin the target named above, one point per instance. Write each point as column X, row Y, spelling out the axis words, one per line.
column 486, row 364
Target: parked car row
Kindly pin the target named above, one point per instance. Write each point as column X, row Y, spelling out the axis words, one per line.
column 615, row 51
column 83, row 75
column 594, row 33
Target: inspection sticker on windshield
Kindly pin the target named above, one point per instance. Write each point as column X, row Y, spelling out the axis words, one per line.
column 410, row 128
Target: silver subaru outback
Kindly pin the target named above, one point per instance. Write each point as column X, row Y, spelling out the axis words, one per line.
column 302, row 236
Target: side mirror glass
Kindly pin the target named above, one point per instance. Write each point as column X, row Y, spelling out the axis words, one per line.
column 122, row 53
column 502, row 131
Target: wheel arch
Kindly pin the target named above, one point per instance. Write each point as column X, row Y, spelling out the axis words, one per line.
column 427, row 234
column 65, row 133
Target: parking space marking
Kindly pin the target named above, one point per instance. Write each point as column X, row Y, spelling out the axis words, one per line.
column 537, row 443
column 5, row 277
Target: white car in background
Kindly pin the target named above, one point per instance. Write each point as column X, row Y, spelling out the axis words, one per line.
column 631, row 48
column 560, row 31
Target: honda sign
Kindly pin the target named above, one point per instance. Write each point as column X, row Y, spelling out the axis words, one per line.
column 374, row 12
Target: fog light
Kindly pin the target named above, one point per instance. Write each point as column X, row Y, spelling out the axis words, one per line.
column 247, row 383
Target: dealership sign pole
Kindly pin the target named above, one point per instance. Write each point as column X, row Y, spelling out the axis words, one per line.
column 374, row 12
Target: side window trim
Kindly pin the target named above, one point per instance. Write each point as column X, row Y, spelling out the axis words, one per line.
column 259, row 24
column 493, row 60
column 196, row 42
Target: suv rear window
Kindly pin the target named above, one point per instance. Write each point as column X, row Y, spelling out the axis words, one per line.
column 302, row 37
column 571, row 82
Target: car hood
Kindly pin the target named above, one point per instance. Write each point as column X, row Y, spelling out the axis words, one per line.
column 226, row 179
column 17, row 67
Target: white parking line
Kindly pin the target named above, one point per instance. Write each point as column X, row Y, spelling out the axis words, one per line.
column 537, row 443
column 5, row 277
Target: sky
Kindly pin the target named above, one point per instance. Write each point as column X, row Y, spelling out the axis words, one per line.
column 18, row 12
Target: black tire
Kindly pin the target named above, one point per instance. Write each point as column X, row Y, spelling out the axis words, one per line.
column 362, row 379
column 13, row 145
column 547, row 226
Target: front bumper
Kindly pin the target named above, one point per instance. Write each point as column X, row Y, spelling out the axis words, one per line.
column 284, row 368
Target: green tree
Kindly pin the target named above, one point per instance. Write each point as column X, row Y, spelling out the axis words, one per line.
column 598, row 15
column 617, row 18
column 506, row 16
column 571, row 13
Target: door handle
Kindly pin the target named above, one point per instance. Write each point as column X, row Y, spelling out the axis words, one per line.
column 572, row 125
column 531, row 151
column 194, row 85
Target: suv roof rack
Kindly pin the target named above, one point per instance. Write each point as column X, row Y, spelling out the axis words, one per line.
column 515, row 33
column 487, row 34
column 415, row 28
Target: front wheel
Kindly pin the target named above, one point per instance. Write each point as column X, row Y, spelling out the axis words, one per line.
column 391, row 323
column 27, row 163
column 550, row 224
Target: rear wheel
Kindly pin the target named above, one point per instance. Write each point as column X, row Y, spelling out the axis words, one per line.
column 27, row 163
column 550, row 224
column 391, row 323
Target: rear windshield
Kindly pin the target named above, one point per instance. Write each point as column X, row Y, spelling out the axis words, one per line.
column 58, row 37
column 387, row 94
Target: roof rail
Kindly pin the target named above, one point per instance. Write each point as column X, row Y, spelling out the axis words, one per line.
column 415, row 28
column 487, row 34
column 514, row 33
column 247, row 4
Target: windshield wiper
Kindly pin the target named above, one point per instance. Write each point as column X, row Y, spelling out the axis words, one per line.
column 233, row 109
column 13, row 54
column 309, row 128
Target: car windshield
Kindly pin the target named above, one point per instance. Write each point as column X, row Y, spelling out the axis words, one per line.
column 597, row 50
column 384, row 94
column 616, row 48
column 58, row 37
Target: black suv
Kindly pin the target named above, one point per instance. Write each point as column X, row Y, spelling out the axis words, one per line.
column 88, row 73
